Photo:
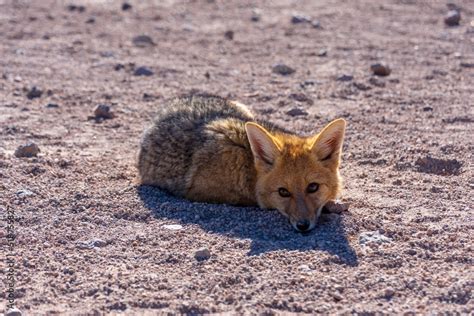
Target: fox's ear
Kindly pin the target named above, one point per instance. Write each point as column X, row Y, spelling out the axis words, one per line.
column 264, row 147
column 328, row 143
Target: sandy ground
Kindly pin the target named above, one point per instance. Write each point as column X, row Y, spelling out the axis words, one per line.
column 90, row 241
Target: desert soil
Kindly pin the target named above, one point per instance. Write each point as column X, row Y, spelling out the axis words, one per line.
column 89, row 240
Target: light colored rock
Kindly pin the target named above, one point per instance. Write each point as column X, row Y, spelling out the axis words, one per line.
column 173, row 227
column 376, row 237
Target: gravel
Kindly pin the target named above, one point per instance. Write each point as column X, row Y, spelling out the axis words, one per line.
column 84, row 180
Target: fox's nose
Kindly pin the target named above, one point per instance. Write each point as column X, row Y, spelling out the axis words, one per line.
column 303, row 225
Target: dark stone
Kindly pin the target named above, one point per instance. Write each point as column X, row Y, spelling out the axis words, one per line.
column 229, row 35
column 102, row 111
column 452, row 18
column 27, row 150
column 34, row 93
column 126, row 6
column 297, row 112
column 78, row 8
column 466, row 65
column 282, row 69
column 297, row 19
column 345, row 77
column 379, row 69
column 143, row 41
column 143, row 71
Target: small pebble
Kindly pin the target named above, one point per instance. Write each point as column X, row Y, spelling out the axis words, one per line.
column 316, row 24
column 337, row 297
column 24, row 193
column 126, row 6
column 13, row 312
column 102, row 111
column 52, row 106
column 34, row 93
column 411, row 252
column 304, row 268
column 229, row 35
column 256, row 15
column 297, row 19
column 202, row 254
column 94, row 243
column 143, row 71
column 379, row 69
column 296, row 112
column 322, row 53
column 282, row 69
column 79, row 8
column 27, row 150
column 452, row 18
column 389, row 292
column 143, row 41
column 345, row 77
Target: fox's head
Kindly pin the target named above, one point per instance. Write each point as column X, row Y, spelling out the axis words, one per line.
column 297, row 175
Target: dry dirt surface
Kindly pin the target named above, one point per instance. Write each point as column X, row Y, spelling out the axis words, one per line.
column 89, row 240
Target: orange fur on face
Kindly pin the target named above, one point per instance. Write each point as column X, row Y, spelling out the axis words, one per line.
column 293, row 163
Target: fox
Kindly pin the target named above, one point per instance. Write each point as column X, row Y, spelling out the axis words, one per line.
column 207, row 148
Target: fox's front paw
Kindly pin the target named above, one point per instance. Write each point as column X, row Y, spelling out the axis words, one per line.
column 336, row 206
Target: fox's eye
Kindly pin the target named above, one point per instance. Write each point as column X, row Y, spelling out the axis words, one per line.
column 284, row 192
column 312, row 187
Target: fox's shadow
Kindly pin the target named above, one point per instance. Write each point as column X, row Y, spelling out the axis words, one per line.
column 267, row 229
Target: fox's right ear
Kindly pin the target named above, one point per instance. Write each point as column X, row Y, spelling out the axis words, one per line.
column 264, row 147
column 328, row 144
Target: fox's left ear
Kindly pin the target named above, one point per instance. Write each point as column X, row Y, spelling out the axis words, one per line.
column 328, row 143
